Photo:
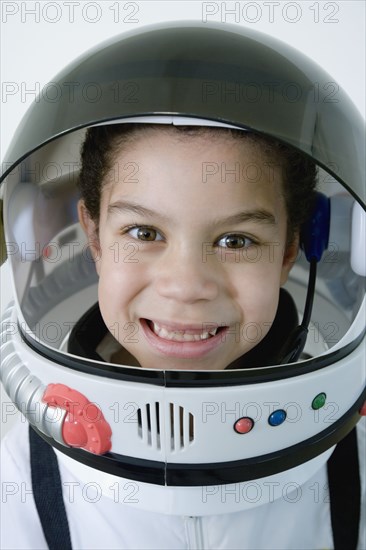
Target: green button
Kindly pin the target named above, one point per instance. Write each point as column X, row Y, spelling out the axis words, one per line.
column 319, row 401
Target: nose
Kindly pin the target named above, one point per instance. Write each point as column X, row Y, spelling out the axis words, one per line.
column 184, row 276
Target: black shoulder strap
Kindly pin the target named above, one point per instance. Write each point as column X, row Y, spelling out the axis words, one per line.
column 345, row 493
column 47, row 492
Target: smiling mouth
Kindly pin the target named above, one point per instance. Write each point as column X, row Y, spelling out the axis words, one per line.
column 205, row 332
column 183, row 341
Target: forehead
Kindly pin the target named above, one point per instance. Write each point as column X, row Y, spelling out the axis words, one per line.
column 213, row 153
column 193, row 135
column 192, row 179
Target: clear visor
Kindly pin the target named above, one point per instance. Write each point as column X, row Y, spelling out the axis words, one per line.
column 54, row 275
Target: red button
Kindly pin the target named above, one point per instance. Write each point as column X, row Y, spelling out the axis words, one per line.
column 84, row 425
column 362, row 410
column 243, row 425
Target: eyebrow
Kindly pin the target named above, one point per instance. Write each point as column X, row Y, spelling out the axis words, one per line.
column 121, row 207
column 258, row 215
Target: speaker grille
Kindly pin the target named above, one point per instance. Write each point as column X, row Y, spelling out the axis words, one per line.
column 178, row 422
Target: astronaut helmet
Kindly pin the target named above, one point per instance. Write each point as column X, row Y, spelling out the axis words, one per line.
column 181, row 434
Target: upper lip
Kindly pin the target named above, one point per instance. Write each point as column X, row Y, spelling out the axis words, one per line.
column 188, row 328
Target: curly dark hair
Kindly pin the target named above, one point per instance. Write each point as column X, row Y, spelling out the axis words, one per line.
column 103, row 143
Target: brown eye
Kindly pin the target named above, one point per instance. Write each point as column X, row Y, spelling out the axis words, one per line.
column 145, row 234
column 234, row 241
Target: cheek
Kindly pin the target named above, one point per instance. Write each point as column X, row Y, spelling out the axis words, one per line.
column 261, row 301
column 257, row 292
column 121, row 278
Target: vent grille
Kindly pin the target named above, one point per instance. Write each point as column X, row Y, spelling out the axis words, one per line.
column 148, row 421
column 179, row 425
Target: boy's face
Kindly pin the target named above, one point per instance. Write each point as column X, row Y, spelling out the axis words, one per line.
column 192, row 238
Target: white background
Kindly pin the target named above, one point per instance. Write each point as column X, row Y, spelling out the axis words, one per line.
column 38, row 39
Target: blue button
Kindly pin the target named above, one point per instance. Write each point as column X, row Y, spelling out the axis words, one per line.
column 277, row 417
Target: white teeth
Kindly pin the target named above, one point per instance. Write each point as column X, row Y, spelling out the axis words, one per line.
column 163, row 333
column 181, row 336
